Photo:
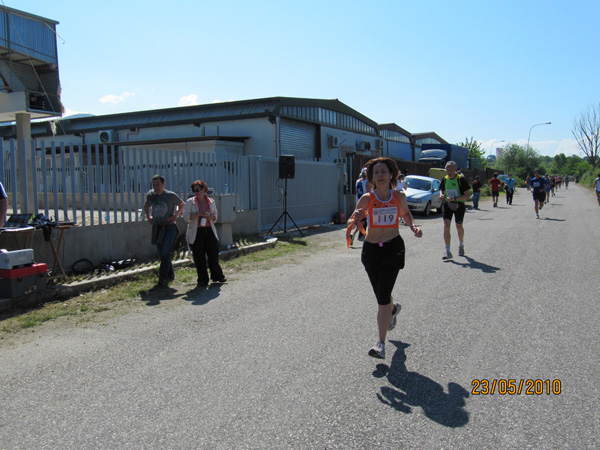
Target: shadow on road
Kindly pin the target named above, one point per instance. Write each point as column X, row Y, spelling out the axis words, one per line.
column 472, row 264
column 201, row 295
column 155, row 295
column 414, row 389
column 198, row 295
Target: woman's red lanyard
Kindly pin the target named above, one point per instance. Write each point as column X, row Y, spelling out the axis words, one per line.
column 205, row 207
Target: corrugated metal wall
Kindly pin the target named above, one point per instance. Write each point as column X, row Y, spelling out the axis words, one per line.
column 298, row 139
column 29, row 36
column 314, row 195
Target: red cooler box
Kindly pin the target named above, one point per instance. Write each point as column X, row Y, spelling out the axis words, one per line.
column 22, row 281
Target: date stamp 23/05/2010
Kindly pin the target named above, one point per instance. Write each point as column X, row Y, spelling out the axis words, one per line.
column 493, row 386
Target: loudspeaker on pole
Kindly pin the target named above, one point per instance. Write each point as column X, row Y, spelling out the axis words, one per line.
column 287, row 166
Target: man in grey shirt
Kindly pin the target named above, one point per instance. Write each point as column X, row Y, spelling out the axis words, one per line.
column 162, row 209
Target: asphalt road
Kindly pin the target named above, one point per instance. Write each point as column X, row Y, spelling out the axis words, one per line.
column 277, row 359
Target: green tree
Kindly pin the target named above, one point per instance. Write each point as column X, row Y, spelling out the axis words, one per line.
column 566, row 165
column 560, row 163
column 517, row 160
column 474, row 147
column 577, row 167
column 475, row 150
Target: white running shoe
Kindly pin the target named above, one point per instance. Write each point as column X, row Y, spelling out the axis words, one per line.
column 447, row 255
column 378, row 350
column 393, row 322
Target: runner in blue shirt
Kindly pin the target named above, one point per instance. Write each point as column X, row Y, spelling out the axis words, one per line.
column 538, row 188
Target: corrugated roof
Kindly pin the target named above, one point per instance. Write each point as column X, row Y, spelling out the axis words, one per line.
column 262, row 107
column 429, row 134
column 394, row 127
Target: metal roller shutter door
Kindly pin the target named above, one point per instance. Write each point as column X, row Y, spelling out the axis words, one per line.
column 298, row 139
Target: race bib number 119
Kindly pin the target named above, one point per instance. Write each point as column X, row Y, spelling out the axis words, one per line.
column 385, row 216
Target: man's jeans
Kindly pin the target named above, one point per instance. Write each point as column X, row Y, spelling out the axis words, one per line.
column 476, row 199
column 509, row 195
column 165, row 249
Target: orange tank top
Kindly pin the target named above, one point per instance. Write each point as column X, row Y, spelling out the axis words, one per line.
column 383, row 214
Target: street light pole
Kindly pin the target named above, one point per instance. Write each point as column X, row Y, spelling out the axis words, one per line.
column 536, row 125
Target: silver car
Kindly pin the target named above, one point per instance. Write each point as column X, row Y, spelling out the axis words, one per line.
column 423, row 194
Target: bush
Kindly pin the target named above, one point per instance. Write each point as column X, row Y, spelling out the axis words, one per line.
column 587, row 178
column 486, row 191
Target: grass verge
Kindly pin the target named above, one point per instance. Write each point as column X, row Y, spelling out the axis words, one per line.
column 128, row 294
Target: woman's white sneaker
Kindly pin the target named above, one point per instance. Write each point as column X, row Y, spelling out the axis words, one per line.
column 378, row 350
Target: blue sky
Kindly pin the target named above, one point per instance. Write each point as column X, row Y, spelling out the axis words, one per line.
column 483, row 69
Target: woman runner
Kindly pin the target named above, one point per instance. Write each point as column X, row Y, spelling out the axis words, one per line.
column 383, row 249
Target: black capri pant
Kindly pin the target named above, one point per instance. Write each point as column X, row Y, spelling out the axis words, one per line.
column 382, row 265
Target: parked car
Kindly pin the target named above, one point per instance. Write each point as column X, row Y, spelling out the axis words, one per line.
column 502, row 177
column 423, row 194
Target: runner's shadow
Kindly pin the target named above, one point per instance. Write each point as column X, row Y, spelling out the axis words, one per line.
column 472, row 264
column 414, row 389
column 554, row 220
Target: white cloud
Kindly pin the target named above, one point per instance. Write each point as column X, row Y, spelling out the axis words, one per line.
column 490, row 146
column 115, row 99
column 568, row 147
column 188, row 100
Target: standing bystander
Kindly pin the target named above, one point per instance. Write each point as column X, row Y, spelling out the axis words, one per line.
column 201, row 213
column 162, row 208
column 476, row 185
column 509, row 185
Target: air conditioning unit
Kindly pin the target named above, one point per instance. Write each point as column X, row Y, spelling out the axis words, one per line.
column 333, row 141
column 106, row 136
column 364, row 146
column 379, row 144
